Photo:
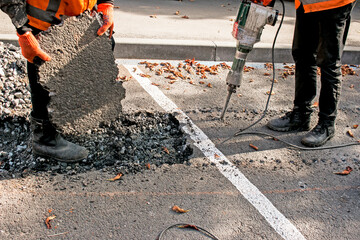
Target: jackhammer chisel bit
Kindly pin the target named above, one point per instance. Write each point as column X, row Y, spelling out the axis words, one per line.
column 248, row 26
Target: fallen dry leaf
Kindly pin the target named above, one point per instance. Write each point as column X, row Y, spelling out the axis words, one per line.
column 155, row 84
column 347, row 70
column 148, row 165
column 47, row 221
column 268, row 66
column 144, row 75
column 209, row 85
column 266, row 74
column 202, row 82
column 50, row 210
column 153, row 16
column 347, row 171
column 355, row 126
column 316, row 104
column 117, row 177
column 254, row 147
column 350, row 133
column 216, row 156
column 191, row 62
column 186, row 17
column 178, row 209
column 225, row 66
column 166, row 150
column 248, row 69
column 124, row 78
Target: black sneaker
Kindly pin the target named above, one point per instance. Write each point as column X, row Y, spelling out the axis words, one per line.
column 291, row 121
column 319, row 135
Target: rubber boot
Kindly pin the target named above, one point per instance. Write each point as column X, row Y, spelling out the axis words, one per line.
column 319, row 135
column 47, row 142
column 291, row 121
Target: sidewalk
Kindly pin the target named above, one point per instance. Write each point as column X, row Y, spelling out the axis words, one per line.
column 152, row 30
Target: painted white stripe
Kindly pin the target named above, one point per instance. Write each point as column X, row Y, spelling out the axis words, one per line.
column 275, row 218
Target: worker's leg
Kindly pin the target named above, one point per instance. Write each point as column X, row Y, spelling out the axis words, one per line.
column 332, row 39
column 304, row 52
column 46, row 140
column 332, row 31
column 39, row 96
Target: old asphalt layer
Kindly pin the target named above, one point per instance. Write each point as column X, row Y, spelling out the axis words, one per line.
column 232, row 190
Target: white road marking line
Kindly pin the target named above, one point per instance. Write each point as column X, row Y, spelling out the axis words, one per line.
column 250, row 192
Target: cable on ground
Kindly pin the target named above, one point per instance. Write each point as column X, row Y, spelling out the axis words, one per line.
column 188, row 226
column 296, row 146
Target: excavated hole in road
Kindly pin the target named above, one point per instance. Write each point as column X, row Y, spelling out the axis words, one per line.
column 130, row 144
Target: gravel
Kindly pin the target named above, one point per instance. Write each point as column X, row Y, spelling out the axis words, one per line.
column 131, row 143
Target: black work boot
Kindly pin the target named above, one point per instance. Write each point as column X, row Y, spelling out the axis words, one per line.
column 319, row 135
column 291, row 121
column 47, row 142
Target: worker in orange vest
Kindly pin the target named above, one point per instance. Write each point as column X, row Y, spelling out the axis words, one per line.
column 30, row 17
column 320, row 33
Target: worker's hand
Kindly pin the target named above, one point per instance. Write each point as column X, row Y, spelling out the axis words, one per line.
column 30, row 47
column 264, row 2
column 107, row 10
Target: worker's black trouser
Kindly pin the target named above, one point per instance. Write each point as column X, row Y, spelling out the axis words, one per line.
column 319, row 39
column 39, row 96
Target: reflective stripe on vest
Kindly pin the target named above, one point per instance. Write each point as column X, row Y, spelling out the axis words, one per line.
column 320, row 5
column 48, row 15
column 42, row 14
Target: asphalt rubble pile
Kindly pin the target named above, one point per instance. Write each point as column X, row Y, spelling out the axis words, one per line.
column 130, row 144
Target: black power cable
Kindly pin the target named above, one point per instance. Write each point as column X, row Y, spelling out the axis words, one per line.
column 241, row 131
column 185, row 225
column 296, row 146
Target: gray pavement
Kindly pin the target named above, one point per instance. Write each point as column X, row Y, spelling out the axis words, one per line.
column 151, row 30
column 300, row 184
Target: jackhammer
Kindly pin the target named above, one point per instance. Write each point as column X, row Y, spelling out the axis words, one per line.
column 250, row 21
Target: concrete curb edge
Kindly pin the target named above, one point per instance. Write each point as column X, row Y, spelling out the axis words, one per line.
column 170, row 49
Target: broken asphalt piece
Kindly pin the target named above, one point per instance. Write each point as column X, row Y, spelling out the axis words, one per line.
column 81, row 76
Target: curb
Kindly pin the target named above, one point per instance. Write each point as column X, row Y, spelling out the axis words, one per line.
column 170, row 49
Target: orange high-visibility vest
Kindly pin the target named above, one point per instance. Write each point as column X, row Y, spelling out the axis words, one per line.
column 320, row 5
column 44, row 13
